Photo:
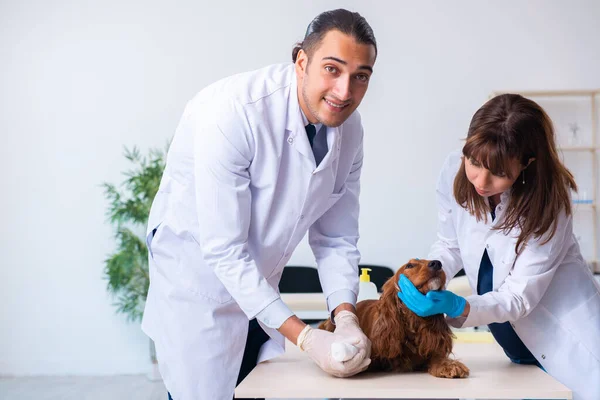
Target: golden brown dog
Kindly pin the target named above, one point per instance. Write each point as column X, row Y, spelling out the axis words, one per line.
column 401, row 340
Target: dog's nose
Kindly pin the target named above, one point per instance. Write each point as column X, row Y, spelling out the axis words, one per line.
column 435, row 265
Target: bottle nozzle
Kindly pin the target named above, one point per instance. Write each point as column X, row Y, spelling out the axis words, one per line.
column 364, row 276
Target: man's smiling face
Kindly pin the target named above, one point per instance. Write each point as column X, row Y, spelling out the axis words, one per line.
column 333, row 82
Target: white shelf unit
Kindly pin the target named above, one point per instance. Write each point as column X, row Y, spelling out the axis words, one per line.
column 586, row 210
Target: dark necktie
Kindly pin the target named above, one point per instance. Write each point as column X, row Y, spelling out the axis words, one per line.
column 311, row 131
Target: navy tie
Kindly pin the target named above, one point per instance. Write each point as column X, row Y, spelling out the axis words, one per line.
column 311, row 131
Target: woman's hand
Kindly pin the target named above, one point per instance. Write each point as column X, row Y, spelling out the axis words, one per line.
column 434, row 302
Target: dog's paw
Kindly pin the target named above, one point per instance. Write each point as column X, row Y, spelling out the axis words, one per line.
column 449, row 369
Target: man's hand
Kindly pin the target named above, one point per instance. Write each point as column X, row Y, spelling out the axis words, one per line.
column 346, row 326
column 317, row 344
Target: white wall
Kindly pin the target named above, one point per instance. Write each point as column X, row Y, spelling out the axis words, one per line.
column 78, row 80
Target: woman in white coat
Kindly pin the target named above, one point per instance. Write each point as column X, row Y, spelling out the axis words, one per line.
column 505, row 216
column 258, row 160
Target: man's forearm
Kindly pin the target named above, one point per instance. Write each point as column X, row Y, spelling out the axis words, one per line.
column 291, row 328
column 344, row 306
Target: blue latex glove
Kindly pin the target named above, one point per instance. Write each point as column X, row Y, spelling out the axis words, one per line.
column 434, row 302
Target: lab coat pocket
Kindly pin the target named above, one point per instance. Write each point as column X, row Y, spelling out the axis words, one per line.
column 155, row 218
column 333, row 198
column 179, row 258
column 446, row 228
column 584, row 323
column 328, row 204
column 149, row 237
column 503, row 264
column 509, row 259
column 560, row 352
column 196, row 276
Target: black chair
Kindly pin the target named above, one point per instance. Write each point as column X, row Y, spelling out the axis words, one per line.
column 300, row 279
column 379, row 274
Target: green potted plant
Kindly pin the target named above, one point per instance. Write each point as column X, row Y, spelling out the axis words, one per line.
column 126, row 269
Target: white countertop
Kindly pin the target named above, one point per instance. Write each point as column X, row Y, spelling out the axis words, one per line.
column 493, row 376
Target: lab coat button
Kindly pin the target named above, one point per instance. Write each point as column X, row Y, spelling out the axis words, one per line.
column 543, row 357
column 290, row 140
column 302, row 217
column 487, row 246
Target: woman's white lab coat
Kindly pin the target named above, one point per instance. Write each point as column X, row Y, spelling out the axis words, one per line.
column 239, row 192
column 547, row 293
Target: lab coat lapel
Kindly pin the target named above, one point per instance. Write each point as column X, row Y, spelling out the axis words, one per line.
column 296, row 133
column 504, row 256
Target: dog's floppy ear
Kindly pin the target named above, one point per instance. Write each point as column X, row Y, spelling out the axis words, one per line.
column 437, row 339
column 388, row 331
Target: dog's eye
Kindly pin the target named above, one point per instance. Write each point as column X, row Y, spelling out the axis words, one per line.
column 408, row 266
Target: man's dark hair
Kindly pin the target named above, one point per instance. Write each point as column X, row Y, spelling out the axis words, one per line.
column 347, row 22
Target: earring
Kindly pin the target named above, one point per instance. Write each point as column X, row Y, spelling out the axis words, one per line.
column 523, row 177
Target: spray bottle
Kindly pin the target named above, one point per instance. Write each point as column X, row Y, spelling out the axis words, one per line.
column 366, row 289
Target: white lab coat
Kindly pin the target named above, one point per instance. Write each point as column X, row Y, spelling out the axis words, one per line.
column 239, row 192
column 547, row 293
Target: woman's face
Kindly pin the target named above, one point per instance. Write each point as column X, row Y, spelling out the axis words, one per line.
column 486, row 183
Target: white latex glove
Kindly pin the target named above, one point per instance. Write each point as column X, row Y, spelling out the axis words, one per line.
column 346, row 326
column 317, row 344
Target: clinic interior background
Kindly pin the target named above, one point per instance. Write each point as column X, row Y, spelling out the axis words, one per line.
column 80, row 80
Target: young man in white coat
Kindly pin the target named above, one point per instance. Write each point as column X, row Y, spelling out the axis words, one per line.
column 258, row 160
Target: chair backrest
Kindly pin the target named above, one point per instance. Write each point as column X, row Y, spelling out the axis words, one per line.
column 379, row 274
column 303, row 279
column 300, row 279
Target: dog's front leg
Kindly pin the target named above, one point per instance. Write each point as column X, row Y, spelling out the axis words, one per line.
column 447, row 368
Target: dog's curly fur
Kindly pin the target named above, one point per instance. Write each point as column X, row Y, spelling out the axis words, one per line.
column 401, row 340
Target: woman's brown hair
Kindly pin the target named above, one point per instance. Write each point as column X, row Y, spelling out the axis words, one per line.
column 506, row 128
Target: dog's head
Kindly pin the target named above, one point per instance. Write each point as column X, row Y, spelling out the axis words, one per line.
column 426, row 275
column 394, row 319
